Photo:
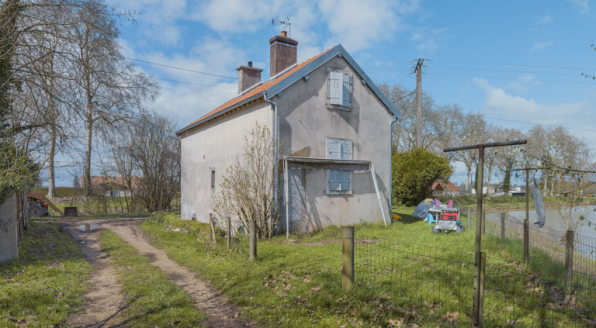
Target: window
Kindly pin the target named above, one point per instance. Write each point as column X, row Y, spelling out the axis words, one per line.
column 212, row 178
column 339, row 182
column 339, row 91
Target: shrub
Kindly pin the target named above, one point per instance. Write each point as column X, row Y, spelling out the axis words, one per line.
column 414, row 174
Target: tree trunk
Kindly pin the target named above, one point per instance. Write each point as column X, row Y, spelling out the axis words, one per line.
column 51, row 156
column 88, row 148
column 488, row 182
column 468, row 191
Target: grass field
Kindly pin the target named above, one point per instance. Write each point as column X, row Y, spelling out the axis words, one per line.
column 405, row 275
column 152, row 299
column 46, row 284
column 505, row 202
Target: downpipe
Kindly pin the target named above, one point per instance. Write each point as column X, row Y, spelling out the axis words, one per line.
column 275, row 170
column 391, row 168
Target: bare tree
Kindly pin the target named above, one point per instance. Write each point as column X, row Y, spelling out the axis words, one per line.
column 247, row 188
column 155, row 150
column 109, row 89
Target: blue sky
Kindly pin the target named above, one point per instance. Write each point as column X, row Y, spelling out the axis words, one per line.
column 532, row 40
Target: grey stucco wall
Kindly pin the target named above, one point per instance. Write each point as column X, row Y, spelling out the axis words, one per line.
column 306, row 122
column 218, row 144
column 9, row 248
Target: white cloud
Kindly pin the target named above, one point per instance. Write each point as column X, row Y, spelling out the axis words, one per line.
column 546, row 19
column 500, row 104
column 582, row 5
column 540, row 46
column 157, row 18
column 426, row 40
column 358, row 24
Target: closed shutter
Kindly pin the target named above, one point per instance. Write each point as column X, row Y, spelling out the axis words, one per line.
column 345, row 177
column 335, row 88
column 346, row 90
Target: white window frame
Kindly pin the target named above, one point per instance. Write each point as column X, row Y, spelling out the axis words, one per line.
column 346, row 82
column 350, row 155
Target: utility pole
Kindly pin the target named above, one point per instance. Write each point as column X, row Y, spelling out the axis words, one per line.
column 418, row 71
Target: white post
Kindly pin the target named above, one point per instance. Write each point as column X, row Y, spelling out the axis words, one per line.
column 287, row 200
column 374, row 177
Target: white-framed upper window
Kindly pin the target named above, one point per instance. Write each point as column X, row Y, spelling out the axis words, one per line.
column 339, row 182
column 339, row 93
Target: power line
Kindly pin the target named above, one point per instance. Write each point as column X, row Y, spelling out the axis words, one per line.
column 520, row 65
column 533, row 123
column 194, row 83
column 516, row 79
column 181, row 69
column 503, row 70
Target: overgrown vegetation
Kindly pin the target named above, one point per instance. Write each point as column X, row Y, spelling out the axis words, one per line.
column 152, row 299
column 414, row 174
column 297, row 283
column 46, row 284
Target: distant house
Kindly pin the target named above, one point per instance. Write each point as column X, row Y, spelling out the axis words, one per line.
column 438, row 188
column 334, row 128
column 489, row 190
column 113, row 186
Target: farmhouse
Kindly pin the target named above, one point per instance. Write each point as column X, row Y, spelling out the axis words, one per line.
column 438, row 188
column 334, row 128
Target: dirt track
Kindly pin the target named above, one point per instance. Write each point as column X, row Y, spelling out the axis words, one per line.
column 104, row 300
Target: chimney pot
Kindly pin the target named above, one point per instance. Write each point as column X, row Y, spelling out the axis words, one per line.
column 284, row 34
column 249, row 64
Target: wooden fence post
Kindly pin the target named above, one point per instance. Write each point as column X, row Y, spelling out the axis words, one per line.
column 252, row 238
column 569, row 248
column 526, row 241
column 212, row 228
column 469, row 218
column 347, row 276
column 477, row 311
column 502, row 227
column 229, row 235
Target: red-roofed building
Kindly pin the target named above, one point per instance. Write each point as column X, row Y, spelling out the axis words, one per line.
column 438, row 188
column 333, row 125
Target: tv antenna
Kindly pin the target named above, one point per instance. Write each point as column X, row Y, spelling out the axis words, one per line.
column 285, row 22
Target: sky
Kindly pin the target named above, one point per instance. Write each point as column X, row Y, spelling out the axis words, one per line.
column 510, row 60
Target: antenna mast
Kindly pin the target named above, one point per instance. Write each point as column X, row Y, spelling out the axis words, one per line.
column 287, row 24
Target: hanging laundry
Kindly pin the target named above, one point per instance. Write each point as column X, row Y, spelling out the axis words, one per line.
column 539, row 204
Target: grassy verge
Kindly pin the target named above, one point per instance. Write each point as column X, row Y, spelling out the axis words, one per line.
column 298, row 283
column 45, row 285
column 508, row 202
column 153, row 300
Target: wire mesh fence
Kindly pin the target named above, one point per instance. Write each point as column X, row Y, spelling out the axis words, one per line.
column 435, row 287
column 425, row 287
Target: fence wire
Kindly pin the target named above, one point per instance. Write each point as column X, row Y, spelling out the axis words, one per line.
column 431, row 289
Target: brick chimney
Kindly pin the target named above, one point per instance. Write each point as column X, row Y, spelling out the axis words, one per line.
column 248, row 76
column 283, row 53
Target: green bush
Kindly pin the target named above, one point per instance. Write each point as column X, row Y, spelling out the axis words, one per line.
column 414, row 174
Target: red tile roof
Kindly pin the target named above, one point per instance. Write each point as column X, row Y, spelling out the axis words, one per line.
column 262, row 87
column 440, row 185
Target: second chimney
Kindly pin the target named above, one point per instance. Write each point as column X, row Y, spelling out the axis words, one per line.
column 248, row 76
column 283, row 53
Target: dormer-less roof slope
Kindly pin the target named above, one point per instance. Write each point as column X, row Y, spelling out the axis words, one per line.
column 277, row 84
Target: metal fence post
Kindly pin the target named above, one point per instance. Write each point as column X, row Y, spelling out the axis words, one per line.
column 569, row 245
column 252, row 238
column 229, row 232
column 477, row 311
column 502, row 227
column 347, row 274
column 483, row 222
column 469, row 218
column 526, row 241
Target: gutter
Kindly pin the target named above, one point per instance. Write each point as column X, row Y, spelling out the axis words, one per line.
column 391, row 168
column 276, row 144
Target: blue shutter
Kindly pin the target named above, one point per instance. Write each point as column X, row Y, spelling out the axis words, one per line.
column 334, row 180
column 346, row 90
column 345, row 180
column 333, row 149
column 335, row 88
